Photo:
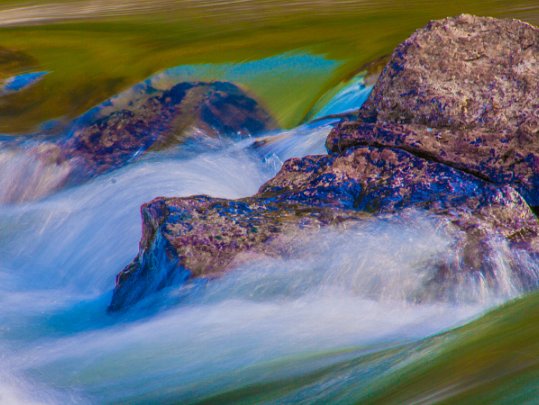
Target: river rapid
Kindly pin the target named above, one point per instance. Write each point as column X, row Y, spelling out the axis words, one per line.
column 330, row 322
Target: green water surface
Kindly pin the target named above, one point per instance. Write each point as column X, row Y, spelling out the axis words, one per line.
column 96, row 48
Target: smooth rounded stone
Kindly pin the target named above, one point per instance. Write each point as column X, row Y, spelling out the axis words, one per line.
column 462, row 72
column 147, row 118
column 201, row 237
column 463, row 91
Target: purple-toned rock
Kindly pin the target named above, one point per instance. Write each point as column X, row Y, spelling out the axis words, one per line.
column 123, row 129
column 450, row 129
column 146, row 118
column 463, row 91
column 201, row 237
column 501, row 159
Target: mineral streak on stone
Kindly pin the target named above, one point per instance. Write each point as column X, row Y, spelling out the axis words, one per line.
column 149, row 119
column 463, row 91
column 450, row 128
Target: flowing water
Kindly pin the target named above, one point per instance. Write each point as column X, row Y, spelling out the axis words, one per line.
column 338, row 322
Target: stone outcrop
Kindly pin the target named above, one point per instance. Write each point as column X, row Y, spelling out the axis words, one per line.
column 201, row 237
column 449, row 129
column 463, row 91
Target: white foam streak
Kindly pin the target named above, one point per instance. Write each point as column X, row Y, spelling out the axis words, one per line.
column 350, row 287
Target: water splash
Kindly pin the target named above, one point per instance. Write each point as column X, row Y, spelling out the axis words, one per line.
column 348, row 98
column 351, row 292
column 345, row 288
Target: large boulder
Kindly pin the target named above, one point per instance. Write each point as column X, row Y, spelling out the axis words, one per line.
column 449, row 130
column 201, row 237
column 463, row 91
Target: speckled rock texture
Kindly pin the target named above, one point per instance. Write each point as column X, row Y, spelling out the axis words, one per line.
column 463, row 91
column 201, row 237
column 448, row 130
column 123, row 128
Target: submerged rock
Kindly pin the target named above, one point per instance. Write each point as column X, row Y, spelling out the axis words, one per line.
column 463, row 91
column 124, row 128
column 201, row 237
column 150, row 119
column 417, row 145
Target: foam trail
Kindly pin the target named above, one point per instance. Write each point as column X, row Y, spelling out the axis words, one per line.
column 353, row 288
column 271, row 308
column 349, row 287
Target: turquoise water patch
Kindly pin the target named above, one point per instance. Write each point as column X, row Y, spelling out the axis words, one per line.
column 347, row 97
column 289, row 73
column 283, row 67
column 21, row 82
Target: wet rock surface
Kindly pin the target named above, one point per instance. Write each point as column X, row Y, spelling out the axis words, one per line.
column 463, row 91
column 492, row 156
column 124, row 128
column 150, row 119
column 449, row 130
column 201, row 237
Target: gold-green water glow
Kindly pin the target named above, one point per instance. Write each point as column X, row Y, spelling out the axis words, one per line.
column 95, row 48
